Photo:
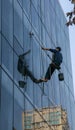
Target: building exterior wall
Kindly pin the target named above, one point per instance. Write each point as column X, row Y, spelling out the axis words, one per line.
column 45, row 19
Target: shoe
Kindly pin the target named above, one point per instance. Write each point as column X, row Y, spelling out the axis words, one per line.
column 43, row 80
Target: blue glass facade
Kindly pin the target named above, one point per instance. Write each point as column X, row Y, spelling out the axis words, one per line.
column 46, row 20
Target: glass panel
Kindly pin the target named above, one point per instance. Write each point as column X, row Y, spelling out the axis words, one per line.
column 0, row 48
column 7, row 20
column 17, row 46
column 6, row 103
column 18, row 51
column 72, row 111
column 18, row 108
column 17, row 75
column 34, row 15
column 36, row 3
column 26, row 7
column 20, row 2
column 0, row 15
column 18, row 22
column 28, row 113
column 70, row 82
column 0, row 93
column 43, row 8
column 27, row 44
column 7, row 56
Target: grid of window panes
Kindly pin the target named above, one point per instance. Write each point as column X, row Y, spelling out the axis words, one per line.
column 45, row 20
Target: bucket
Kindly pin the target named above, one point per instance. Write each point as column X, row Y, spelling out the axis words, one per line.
column 61, row 76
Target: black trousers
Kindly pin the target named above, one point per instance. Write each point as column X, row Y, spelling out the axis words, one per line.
column 50, row 71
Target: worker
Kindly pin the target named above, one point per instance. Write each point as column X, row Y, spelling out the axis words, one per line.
column 55, row 64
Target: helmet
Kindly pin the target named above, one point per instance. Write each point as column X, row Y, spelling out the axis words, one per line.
column 59, row 48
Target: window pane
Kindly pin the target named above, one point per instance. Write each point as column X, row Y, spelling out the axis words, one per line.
column 17, row 75
column 36, row 3
column 26, row 7
column 7, row 56
column 6, row 103
column 0, row 15
column 18, row 51
column 17, row 46
column 0, row 48
column 20, row 2
column 18, row 22
column 18, row 108
column 7, row 20
column 34, row 15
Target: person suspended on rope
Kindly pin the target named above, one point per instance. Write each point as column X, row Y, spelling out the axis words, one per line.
column 55, row 64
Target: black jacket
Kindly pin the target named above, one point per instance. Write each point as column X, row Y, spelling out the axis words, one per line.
column 56, row 57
